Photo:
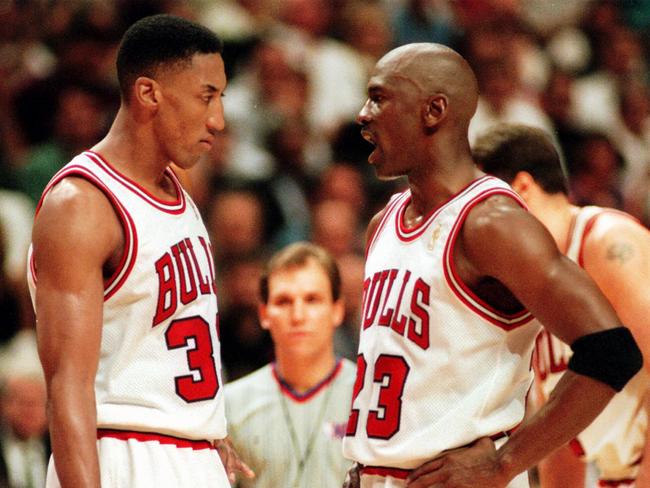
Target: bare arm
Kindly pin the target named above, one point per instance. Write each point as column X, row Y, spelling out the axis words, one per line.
column 75, row 234
column 503, row 241
column 617, row 256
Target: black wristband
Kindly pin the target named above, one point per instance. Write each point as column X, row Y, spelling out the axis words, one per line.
column 610, row 356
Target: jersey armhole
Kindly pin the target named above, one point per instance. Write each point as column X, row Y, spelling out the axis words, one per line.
column 127, row 260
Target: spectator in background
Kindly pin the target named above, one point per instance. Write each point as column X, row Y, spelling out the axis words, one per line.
column 79, row 120
column 24, row 440
column 287, row 418
column 245, row 345
column 632, row 138
column 235, row 222
column 595, row 168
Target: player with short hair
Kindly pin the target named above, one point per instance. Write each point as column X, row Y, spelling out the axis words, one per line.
column 456, row 269
column 122, row 278
column 287, row 419
column 615, row 250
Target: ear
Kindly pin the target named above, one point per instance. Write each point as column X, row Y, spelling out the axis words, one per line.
column 435, row 110
column 262, row 313
column 523, row 183
column 338, row 312
column 146, row 92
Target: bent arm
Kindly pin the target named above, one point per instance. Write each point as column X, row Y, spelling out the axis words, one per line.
column 564, row 298
column 75, row 233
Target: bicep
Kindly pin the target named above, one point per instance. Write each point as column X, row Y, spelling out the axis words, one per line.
column 512, row 246
column 74, row 234
column 619, row 262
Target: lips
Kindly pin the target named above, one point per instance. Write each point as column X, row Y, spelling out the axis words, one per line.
column 368, row 136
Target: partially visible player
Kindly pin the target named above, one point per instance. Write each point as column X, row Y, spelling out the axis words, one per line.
column 456, row 269
column 615, row 250
column 287, row 419
column 123, row 280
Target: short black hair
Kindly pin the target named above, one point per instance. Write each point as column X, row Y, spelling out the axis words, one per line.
column 161, row 41
column 506, row 149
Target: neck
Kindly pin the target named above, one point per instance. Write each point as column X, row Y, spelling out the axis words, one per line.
column 557, row 215
column 432, row 189
column 303, row 374
column 130, row 148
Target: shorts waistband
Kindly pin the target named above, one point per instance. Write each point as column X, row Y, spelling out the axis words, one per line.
column 125, row 435
column 401, row 473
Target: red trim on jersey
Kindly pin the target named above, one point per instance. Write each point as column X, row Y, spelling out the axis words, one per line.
column 398, row 473
column 130, row 250
column 629, row 482
column 590, row 225
column 303, row 397
column 460, row 289
column 175, row 207
column 382, row 223
column 125, row 435
column 576, row 448
column 408, row 235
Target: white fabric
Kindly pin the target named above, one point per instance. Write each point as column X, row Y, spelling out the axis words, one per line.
column 158, row 372
column 466, row 364
column 136, row 464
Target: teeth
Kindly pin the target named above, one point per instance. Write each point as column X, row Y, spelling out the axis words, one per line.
column 368, row 137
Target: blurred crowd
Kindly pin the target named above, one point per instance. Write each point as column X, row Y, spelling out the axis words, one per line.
column 291, row 164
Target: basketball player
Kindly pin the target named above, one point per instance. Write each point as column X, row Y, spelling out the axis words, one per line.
column 287, row 419
column 122, row 278
column 615, row 250
column 456, row 269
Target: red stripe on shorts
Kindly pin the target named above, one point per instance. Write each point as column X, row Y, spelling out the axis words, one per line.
column 125, row 435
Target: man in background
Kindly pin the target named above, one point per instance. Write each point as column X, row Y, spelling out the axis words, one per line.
column 287, row 419
column 614, row 249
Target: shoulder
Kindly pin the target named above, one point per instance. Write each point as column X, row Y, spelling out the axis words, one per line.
column 495, row 216
column 76, row 205
column 615, row 236
column 348, row 370
column 255, row 382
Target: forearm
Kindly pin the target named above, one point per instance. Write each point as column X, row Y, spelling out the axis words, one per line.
column 643, row 477
column 574, row 403
column 73, row 432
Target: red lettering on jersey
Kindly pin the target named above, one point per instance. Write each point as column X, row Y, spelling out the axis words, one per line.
column 166, row 289
column 399, row 322
column 547, row 357
column 204, row 284
column 208, row 254
column 186, row 275
column 371, row 303
column 420, row 338
column 387, row 314
column 417, row 318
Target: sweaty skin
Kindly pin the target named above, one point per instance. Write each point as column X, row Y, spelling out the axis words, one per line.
column 421, row 98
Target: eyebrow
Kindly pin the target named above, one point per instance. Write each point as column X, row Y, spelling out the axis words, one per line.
column 210, row 88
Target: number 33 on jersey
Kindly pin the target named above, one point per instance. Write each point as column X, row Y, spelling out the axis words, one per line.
column 159, row 366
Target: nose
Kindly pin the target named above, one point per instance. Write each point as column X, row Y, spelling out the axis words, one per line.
column 216, row 121
column 363, row 117
column 298, row 311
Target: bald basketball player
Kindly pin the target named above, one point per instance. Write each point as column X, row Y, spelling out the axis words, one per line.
column 615, row 250
column 456, row 271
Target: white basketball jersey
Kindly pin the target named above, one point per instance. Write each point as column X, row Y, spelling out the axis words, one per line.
column 159, row 367
column 616, row 438
column 437, row 367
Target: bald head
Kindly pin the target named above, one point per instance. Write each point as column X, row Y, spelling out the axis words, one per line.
column 435, row 69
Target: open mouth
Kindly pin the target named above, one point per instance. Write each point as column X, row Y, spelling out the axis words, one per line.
column 368, row 136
